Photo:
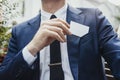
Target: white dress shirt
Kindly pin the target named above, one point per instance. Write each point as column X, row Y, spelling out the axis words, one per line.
column 45, row 52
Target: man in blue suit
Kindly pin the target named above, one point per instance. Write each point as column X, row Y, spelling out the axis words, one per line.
column 29, row 49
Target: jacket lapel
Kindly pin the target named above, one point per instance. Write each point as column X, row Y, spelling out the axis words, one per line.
column 35, row 24
column 73, row 42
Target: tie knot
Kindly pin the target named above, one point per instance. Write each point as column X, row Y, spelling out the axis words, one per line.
column 53, row 16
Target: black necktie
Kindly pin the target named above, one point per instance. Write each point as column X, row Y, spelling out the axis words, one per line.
column 56, row 71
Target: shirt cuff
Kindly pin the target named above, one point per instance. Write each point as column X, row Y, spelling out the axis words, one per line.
column 28, row 57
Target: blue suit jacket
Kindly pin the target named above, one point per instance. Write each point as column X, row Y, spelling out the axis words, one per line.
column 84, row 52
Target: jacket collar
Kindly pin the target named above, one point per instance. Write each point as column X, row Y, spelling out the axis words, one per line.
column 73, row 42
column 73, row 13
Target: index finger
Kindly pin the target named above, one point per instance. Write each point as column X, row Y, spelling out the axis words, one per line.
column 63, row 21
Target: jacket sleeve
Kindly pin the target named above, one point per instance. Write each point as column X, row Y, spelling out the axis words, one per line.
column 14, row 67
column 109, row 44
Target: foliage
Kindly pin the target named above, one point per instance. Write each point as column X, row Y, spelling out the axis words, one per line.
column 118, row 18
column 4, row 39
column 10, row 10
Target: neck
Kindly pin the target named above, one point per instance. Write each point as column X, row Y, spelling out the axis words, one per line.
column 52, row 6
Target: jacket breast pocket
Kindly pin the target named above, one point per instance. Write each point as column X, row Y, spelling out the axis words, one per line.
column 86, row 38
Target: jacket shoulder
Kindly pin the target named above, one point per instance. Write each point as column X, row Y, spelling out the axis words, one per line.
column 89, row 11
column 26, row 23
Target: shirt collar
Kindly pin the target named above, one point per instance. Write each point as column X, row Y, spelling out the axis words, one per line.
column 61, row 13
